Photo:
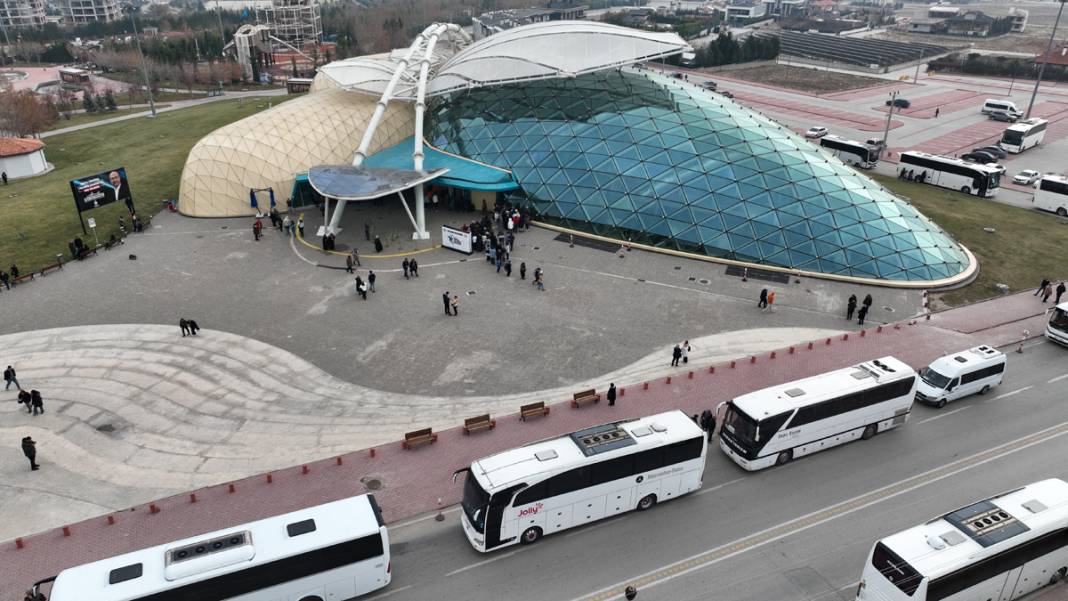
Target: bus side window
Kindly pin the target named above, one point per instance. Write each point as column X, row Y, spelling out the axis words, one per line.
column 653, row 459
column 530, row 494
column 953, row 384
column 613, row 469
column 568, row 481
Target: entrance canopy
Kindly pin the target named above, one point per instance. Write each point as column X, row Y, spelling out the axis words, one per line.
column 462, row 172
column 345, row 182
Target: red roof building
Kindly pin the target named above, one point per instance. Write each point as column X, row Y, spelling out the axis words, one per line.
column 22, row 157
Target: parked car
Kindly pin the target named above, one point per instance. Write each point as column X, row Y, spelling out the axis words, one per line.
column 677, row 75
column 1004, row 116
column 709, row 85
column 1027, row 177
column 816, row 132
column 978, row 156
column 997, row 151
column 726, row 93
column 900, row 103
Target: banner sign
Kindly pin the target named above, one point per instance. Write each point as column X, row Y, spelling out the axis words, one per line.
column 455, row 239
column 101, row 189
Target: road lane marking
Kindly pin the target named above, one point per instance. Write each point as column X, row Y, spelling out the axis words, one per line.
column 821, row 516
column 587, row 529
column 941, row 415
column 483, row 562
column 388, row 593
column 1012, row 393
column 716, row 487
column 1057, row 379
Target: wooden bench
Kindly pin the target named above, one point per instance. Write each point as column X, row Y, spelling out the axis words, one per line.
column 419, row 437
column 52, row 267
column 586, row 397
column 481, row 422
column 22, row 278
column 533, row 410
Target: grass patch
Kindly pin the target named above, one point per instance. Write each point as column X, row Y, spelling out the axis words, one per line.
column 37, row 215
column 804, row 79
column 83, row 118
column 1026, row 246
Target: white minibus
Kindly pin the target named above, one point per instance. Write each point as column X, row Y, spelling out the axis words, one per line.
column 991, row 105
column 958, row 375
column 999, row 549
column 775, row 425
column 519, row 495
column 1057, row 326
column 329, row 552
column 1051, row 194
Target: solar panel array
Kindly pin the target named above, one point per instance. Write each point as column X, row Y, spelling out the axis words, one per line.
column 854, row 51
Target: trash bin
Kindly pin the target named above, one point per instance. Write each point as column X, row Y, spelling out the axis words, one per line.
column 378, row 244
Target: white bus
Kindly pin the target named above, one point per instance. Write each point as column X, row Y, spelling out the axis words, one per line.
column 519, row 495
column 947, row 172
column 1057, row 326
column 998, row 549
column 1051, row 194
column 850, row 152
column 1022, row 135
column 775, row 425
column 330, row 552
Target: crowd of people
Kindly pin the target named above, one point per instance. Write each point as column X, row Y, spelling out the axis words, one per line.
column 34, row 406
column 1046, row 290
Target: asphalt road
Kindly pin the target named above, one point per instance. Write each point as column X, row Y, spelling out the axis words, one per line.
column 799, row 532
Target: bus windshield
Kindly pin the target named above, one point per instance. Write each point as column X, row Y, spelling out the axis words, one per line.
column 740, row 425
column 934, row 378
column 1059, row 320
column 475, row 501
column 1015, row 138
column 895, row 569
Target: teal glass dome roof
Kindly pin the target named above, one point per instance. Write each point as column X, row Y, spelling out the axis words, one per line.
column 638, row 156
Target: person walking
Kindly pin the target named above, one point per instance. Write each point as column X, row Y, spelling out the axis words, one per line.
column 862, row 314
column 287, row 225
column 685, row 352
column 867, row 302
column 445, row 299
column 405, row 265
column 193, row 327
column 455, row 304
column 361, row 288
column 851, row 306
column 1060, row 292
column 371, row 280
column 356, row 256
column 414, row 266
column 937, row 110
column 500, row 261
column 508, row 268
column 348, row 263
column 763, row 302
column 708, row 423
column 1047, row 292
column 257, row 229
column 539, row 281
column 523, row 271
column 676, row 354
column 184, row 326
column 300, row 226
column 611, row 396
column 26, row 399
column 29, row 449
column 37, row 402
column 9, row 378
column 1042, row 286
column 771, row 301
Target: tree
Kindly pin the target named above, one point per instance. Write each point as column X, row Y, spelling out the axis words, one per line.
column 23, row 113
column 109, row 100
column 87, row 103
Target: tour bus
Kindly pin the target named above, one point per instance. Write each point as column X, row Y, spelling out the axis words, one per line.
column 1057, row 326
column 330, row 552
column 775, row 425
column 851, row 152
column 1051, row 194
column 958, row 375
column 1022, row 135
column 520, row 495
column 955, row 174
column 991, row 105
column 73, row 75
column 1001, row 548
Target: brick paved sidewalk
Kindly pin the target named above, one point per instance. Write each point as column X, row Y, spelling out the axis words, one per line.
column 413, row 481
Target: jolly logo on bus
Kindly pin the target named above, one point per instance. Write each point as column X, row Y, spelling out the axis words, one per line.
column 532, row 510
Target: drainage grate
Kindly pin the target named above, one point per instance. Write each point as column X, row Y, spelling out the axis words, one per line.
column 470, row 293
column 704, row 281
column 371, row 483
column 760, row 274
column 888, row 309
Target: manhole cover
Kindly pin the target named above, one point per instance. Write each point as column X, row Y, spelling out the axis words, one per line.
column 198, row 238
column 371, row 483
column 537, row 248
column 470, row 293
column 692, row 279
column 888, row 309
column 108, row 428
column 704, row 281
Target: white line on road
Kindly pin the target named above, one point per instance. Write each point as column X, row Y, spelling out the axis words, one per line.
column 388, row 593
column 1012, row 393
column 1057, row 379
column 946, row 414
column 716, row 487
column 587, row 529
column 482, row 563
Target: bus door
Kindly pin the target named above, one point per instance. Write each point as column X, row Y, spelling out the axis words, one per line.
column 1012, row 577
column 499, row 531
column 979, row 185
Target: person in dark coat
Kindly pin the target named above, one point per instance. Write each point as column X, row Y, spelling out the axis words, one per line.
column 851, row 306
column 414, row 267
column 193, row 327
column 867, row 302
column 1060, row 292
column 361, row 288
column 508, row 268
column 29, row 449
column 523, row 271
column 9, row 378
column 1042, row 286
column 676, row 354
column 406, row 266
column 37, row 402
column 763, row 302
column 371, row 280
column 862, row 314
column 348, row 263
column 611, row 396
column 708, row 423
column 184, row 325
column 445, row 299
column 26, row 399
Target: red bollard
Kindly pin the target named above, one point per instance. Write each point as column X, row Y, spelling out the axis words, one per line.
column 810, row 346
column 772, row 354
column 232, row 488
column 192, row 497
column 732, row 364
column 828, row 343
column 645, row 386
column 339, row 460
column 752, row 359
column 791, row 350
column 711, row 369
column 669, row 380
column 152, row 508
column 622, row 392
column 19, row 544
column 897, row 326
column 111, row 520
column 690, row 376
column 270, row 478
column 304, row 470
column 879, row 329
column 845, row 336
column 372, row 452
column 66, row 531
column 862, row 333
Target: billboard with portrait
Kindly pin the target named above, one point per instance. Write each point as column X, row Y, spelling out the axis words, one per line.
column 102, row 189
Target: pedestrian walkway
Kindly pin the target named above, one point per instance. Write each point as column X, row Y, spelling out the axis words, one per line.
column 417, row 482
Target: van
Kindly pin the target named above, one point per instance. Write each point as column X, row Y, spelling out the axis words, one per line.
column 1004, row 106
column 958, row 375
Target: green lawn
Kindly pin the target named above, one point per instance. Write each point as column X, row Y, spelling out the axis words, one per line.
column 37, row 215
column 83, row 118
column 1026, row 246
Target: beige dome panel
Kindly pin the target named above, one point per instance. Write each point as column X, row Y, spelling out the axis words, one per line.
column 269, row 148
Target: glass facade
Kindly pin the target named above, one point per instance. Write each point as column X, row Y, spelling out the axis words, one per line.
column 639, row 156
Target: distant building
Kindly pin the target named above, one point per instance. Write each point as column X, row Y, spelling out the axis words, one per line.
column 740, row 11
column 497, row 21
column 297, row 23
column 91, row 11
column 785, row 8
column 22, row 14
column 1019, row 19
column 1057, row 56
column 943, row 12
column 927, row 26
column 970, row 23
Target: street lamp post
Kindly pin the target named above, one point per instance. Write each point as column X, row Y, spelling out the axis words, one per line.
column 144, row 66
column 1045, row 59
column 889, row 114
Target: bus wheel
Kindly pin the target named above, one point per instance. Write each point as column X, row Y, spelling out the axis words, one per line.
column 531, row 535
column 985, row 389
column 1058, row 575
column 941, row 403
column 784, row 458
column 311, row 598
column 1062, row 212
column 646, row 502
column 966, row 190
column 869, row 431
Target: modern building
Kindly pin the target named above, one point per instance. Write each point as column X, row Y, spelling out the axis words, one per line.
column 22, row 157
column 1019, row 19
column 558, row 117
column 497, row 21
column 741, row 11
column 785, row 8
column 21, row 14
column 90, row 11
column 294, row 24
